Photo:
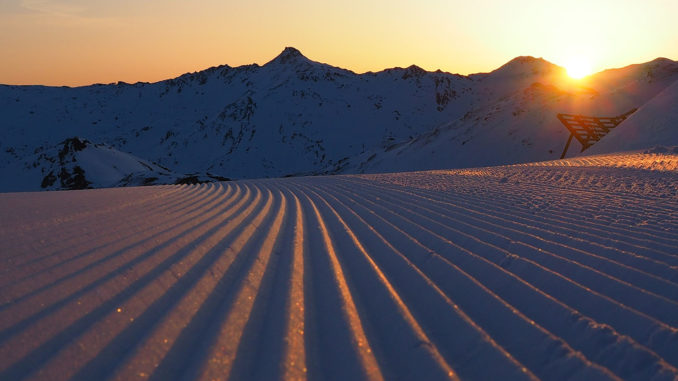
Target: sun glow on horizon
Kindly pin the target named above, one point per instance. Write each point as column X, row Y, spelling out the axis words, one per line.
column 80, row 42
column 578, row 67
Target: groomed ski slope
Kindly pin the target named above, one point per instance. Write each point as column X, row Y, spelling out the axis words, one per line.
column 554, row 270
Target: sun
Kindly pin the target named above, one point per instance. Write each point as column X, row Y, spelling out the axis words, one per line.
column 578, row 67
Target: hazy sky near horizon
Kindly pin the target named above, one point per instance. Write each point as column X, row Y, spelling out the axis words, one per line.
column 79, row 42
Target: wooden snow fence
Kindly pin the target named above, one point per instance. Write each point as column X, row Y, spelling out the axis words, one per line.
column 589, row 129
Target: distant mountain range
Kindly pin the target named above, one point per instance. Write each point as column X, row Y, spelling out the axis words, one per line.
column 293, row 116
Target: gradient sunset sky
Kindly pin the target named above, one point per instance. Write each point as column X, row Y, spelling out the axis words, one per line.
column 79, row 42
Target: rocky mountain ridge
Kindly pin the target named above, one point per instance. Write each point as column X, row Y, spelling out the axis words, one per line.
column 294, row 116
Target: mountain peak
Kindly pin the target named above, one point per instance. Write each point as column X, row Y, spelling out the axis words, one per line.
column 662, row 62
column 526, row 65
column 290, row 51
column 527, row 61
column 289, row 55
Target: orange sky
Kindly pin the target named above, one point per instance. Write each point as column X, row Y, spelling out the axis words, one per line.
column 79, row 42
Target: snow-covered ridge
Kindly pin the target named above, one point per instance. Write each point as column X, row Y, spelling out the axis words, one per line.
column 563, row 270
column 294, row 116
column 80, row 164
column 656, row 123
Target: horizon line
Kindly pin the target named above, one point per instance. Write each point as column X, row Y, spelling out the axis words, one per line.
column 123, row 82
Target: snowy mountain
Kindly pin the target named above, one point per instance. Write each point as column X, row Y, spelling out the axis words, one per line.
column 296, row 116
column 516, row 121
column 656, row 123
column 80, row 164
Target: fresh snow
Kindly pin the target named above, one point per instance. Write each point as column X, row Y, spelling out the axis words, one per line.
column 552, row 270
column 656, row 123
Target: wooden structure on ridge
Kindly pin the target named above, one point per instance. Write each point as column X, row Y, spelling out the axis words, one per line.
column 589, row 129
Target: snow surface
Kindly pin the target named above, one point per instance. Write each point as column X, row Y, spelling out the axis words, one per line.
column 552, row 270
column 656, row 123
